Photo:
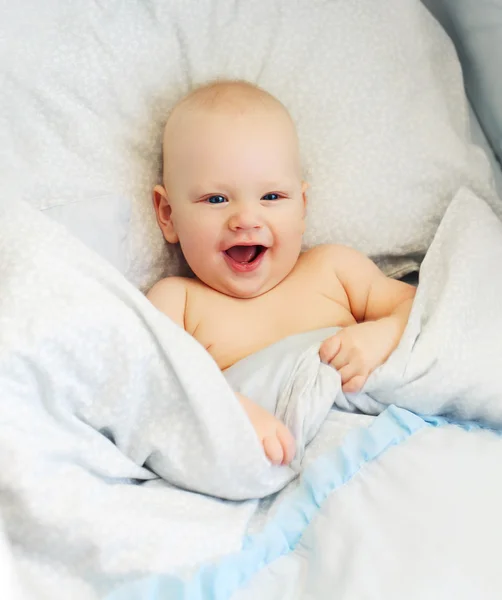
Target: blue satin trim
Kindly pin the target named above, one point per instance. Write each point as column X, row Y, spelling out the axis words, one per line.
column 219, row 581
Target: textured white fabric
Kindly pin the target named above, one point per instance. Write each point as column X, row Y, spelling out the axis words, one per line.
column 80, row 344
column 450, row 355
column 109, row 411
column 421, row 522
column 9, row 582
column 106, row 403
column 375, row 88
column 101, row 223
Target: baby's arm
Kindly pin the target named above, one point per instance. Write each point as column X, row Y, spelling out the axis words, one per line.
column 381, row 307
column 170, row 297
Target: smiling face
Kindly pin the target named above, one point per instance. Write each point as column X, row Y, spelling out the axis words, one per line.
column 233, row 195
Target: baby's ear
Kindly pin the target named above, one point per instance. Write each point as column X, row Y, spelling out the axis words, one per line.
column 163, row 211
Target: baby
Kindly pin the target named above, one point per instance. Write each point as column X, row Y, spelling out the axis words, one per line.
column 234, row 199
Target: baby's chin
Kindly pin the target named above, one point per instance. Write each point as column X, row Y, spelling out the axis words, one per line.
column 241, row 292
column 245, row 290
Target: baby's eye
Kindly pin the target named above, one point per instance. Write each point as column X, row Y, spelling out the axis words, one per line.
column 216, row 199
column 271, row 196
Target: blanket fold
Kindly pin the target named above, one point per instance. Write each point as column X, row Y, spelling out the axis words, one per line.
column 449, row 359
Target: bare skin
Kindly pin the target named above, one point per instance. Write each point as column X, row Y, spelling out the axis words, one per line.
column 234, row 199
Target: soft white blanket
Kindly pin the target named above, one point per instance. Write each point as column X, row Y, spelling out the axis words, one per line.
column 110, row 412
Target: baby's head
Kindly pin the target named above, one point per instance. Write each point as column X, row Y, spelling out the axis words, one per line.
column 233, row 195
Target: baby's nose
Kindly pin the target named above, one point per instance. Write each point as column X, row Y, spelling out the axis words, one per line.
column 244, row 219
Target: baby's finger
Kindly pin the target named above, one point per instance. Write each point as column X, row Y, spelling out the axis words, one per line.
column 288, row 444
column 329, row 348
column 348, row 371
column 273, row 449
column 341, row 359
column 355, row 384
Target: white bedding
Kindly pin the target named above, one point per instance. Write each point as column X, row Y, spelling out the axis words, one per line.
column 110, row 411
column 127, row 468
column 375, row 89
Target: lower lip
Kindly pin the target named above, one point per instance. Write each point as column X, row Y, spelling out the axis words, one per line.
column 244, row 267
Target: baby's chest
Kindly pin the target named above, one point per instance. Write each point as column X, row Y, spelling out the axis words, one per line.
column 236, row 329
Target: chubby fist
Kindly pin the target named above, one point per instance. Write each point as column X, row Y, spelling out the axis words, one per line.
column 357, row 350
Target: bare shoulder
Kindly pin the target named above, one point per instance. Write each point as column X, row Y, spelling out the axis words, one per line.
column 353, row 269
column 337, row 255
column 371, row 294
column 169, row 295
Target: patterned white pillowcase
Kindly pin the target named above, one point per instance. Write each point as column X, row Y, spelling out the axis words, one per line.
column 374, row 87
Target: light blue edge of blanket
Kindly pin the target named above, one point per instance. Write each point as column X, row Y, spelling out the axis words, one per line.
column 218, row 581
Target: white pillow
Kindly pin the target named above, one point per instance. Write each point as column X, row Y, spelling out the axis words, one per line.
column 375, row 88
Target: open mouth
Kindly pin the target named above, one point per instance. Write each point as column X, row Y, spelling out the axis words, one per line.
column 245, row 258
column 245, row 255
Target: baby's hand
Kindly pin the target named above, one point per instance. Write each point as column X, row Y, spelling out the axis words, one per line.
column 357, row 350
column 275, row 437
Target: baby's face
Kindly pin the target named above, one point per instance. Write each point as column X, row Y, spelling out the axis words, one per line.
column 236, row 199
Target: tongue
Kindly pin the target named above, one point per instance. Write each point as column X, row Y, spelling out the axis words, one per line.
column 243, row 254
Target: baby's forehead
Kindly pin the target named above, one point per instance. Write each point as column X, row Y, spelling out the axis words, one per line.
column 228, row 99
column 210, row 115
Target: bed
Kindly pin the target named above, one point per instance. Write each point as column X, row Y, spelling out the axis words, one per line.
column 127, row 468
